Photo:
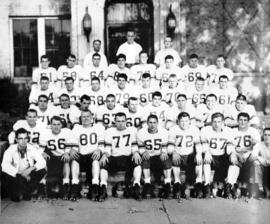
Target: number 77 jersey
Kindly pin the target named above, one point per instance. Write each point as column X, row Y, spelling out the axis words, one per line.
column 217, row 143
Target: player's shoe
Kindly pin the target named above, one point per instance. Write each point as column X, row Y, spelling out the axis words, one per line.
column 207, row 191
column 166, row 191
column 137, row 192
column 94, row 193
column 74, row 192
column 147, row 191
column 199, row 190
column 65, row 192
column 177, row 191
column 127, row 191
column 228, row 190
column 41, row 192
column 103, row 193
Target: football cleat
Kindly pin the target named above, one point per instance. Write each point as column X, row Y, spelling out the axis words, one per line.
column 74, row 192
column 147, row 191
column 167, row 191
column 177, row 191
column 94, row 192
column 137, row 192
column 65, row 192
column 42, row 191
column 228, row 189
column 199, row 190
column 103, row 193
column 207, row 191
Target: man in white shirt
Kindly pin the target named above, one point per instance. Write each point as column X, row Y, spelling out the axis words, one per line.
column 23, row 167
column 131, row 49
column 96, row 49
column 168, row 50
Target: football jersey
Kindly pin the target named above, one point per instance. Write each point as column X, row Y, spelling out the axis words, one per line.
column 33, row 132
column 138, row 70
column 173, row 112
column 56, row 144
column 77, row 73
column 88, row 139
column 113, row 71
column 153, row 143
column 92, row 72
column 184, row 141
column 45, row 116
column 160, row 56
column 36, row 92
column 69, row 115
column 97, row 98
column 170, row 94
column 197, row 97
column 204, row 113
column 216, row 142
column 106, row 116
column 232, row 113
column 135, row 119
column 245, row 140
column 261, row 150
column 160, row 111
column 74, row 95
column 214, row 73
column 145, row 94
column 191, row 74
column 120, row 142
column 49, row 72
column 225, row 96
column 164, row 73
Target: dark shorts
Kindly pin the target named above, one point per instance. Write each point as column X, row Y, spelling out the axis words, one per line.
column 155, row 164
column 266, row 176
column 187, row 164
column 246, row 171
column 85, row 162
column 220, row 165
column 55, row 168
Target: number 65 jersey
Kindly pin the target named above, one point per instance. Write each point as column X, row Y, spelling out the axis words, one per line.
column 58, row 144
column 217, row 143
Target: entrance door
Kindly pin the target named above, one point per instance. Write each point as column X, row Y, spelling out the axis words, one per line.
column 120, row 16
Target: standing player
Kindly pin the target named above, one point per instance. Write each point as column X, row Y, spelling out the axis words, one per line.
column 218, row 148
column 121, row 154
column 89, row 141
column 152, row 141
column 184, row 145
column 44, row 71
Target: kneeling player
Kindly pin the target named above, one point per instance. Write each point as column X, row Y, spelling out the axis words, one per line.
column 183, row 139
column 88, row 139
column 152, row 141
column 120, row 154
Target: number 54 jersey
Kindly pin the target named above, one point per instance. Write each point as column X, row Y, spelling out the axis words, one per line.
column 58, row 144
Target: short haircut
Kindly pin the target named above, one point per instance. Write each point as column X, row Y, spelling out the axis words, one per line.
column 96, row 55
column 84, row 97
column 168, row 57
column 122, row 75
column 132, row 98
column 266, row 129
column 121, row 56
column 241, row 97
column 216, row 115
column 110, row 96
column 44, row 56
column 193, row 56
column 173, row 76
column 97, row 40
column 182, row 114
column 95, row 78
column 45, row 78
column 43, row 96
column 146, row 75
column 156, row 93
column 223, row 77
column 69, row 79
column 71, row 56
column 200, row 79
column 143, row 52
column 181, row 95
column 243, row 114
column 20, row 131
column 56, row 118
column 152, row 116
column 31, row 111
column 221, row 56
column 211, row 95
column 120, row 114
column 86, row 111
column 64, row 95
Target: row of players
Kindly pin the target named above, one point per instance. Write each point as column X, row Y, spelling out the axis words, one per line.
column 230, row 153
column 107, row 75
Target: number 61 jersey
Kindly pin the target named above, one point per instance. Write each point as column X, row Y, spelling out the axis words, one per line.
column 58, row 144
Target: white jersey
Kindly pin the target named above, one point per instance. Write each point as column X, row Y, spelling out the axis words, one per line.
column 232, row 113
column 49, row 72
column 160, row 111
column 131, row 51
column 163, row 74
column 191, row 74
column 98, row 72
column 197, row 97
column 184, row 141
column 56, row 144
column 120, row 142
column 97, row 98
column 36, row 92
column 135, row 119
column 225, row 96
column 139, row 69
column 33, row 132
column 217, row 142
column 173, row 112
column 45, row 116
column 88, row 139
column 113, row 71
column 261, row 150
column 204, row 113
column 214, row 73
column 245, row 140
column 170, row 94
column 74, row 95
column 160, row 56
column 145, row 94
column 106, row 116
column 77, row 73
column 69, row 115
column 153, row 143
column 87, row 62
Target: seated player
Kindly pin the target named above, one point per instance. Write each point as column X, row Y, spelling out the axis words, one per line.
column 240, row 105
column 89, row 139
column 31, row 124
column 22, row 168
column 56, row 144
column 69, row 114
column 184, row 145
column 44, row 71
column 261, row 155
column 43, row 89
column 121, row 154
column 182, row 106
column 152, row 141
column 105, row 113
column 217, row 151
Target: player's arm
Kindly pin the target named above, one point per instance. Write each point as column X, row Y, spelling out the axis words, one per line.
column 7, row 163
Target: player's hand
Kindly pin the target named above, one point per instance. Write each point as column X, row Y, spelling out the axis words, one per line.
column 45, row 156
column 233, row 158
column 96, row 154
column 74, row 154
column 65, row 157
column 176, row 158
column 164, row 156
column 199, row 159
column 104, row 160
column 146, row 155
column 262, row 161
column 136, row 158
column 26, row 173
column 208, row 158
